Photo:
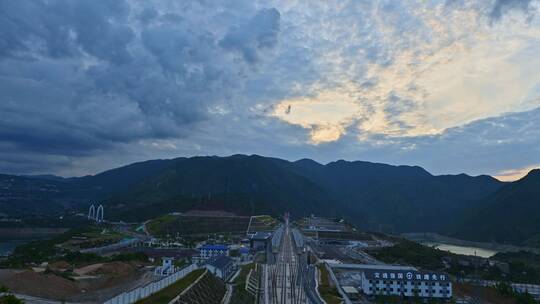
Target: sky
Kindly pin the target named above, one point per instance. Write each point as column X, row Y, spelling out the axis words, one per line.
column 451, row 85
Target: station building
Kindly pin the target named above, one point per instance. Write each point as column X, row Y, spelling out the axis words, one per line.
column 394, row 280
column 260, row 241
column 408, row 283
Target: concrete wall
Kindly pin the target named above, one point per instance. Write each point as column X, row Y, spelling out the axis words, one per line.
column 145, row 291
column 336, row 283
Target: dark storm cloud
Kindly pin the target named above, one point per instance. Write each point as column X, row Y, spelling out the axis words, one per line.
column 65, row 28
column 78, row 77
column 257, row 34
column 88, row 85
column 20, row 161
column 148, row 15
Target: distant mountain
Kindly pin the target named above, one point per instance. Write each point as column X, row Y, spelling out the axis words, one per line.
column 24, row 195
column 239, row 183
column 123, row 178
column 510, row 215
column 398, row 198
column 46, row 177
column 47, row 194
column 373, row 196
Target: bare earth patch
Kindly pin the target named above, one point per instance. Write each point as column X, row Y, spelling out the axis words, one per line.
column 98, row 282
column 41, row 285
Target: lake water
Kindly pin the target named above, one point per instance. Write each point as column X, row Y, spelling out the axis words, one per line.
column 481, row 252
column 7, row 247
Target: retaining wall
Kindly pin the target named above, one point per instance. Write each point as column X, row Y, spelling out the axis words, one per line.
column 149, row 289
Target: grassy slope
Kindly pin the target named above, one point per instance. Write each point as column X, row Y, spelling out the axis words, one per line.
column 328, row 292
column 154, row 225
column 197, row 225
column 169, row 293
column 240, row 295
column 407, row 252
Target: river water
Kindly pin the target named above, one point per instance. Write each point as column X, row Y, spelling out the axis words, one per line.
column 465, row 250
column 7, row 247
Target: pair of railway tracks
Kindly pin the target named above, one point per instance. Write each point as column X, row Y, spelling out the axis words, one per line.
column 286, row 279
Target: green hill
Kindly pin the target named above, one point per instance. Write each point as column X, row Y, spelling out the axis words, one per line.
column 369, row 195
column 510, row 215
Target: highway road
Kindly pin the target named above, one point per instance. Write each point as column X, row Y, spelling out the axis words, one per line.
column 288, row 278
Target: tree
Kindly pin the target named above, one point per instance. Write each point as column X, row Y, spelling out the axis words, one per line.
column 10, row 299
column 504, row 289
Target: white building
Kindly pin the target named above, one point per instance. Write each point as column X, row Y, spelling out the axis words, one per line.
column 221, row 266
column 166, row 268
column 406, row 282
column 397, row 280
column 210, row 251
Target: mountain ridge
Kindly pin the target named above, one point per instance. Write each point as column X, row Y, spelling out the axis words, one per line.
column 509, row 215
column 372, row 195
